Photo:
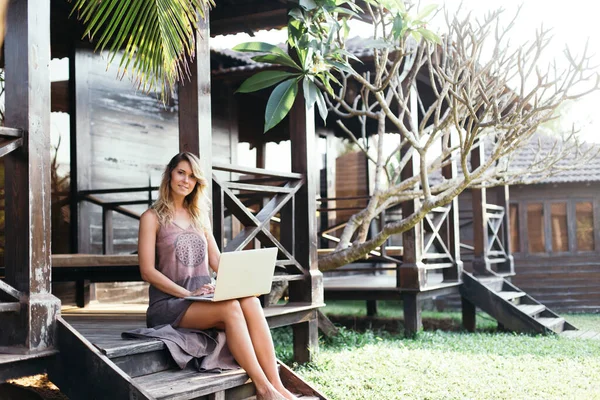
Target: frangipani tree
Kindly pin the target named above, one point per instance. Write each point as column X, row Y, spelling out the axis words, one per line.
column 442, row 95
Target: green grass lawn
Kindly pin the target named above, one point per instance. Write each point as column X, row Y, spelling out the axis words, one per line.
column 451, row 365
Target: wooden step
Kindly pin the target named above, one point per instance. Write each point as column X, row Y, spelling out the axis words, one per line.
column 190, row 384
column 554, row 324
column 531, row 309
column 510, row 296
column 493, row 282
column 10, row 307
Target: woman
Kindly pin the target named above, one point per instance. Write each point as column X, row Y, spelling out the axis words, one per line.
column 176, row 247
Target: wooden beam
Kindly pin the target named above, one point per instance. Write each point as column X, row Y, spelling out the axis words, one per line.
column 453, row 226
column 27, row 250
column 503, row 200
column 248, row 18
column 60, row 96
column 81, row 147
column 195, row 125
column 411, row 273
column 10, row 132
column 10, row 145
column 481, row 261
column 303, row 144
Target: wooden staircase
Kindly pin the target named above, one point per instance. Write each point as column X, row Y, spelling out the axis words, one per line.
column 510, row 306
column 100, row 364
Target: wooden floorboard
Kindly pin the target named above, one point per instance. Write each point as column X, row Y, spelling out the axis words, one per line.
column 12, row 358
column 189, row 383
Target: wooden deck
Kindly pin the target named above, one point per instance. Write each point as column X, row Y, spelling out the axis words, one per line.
column 151, row 369
column 379, row 287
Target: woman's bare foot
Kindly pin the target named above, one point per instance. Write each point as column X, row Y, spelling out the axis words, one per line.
column 270, row 394
column 286, row 393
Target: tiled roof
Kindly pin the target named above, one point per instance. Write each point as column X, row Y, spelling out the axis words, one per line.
column 242, row 61
column 543, row 144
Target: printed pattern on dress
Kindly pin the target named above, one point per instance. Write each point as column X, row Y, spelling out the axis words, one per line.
column 190, row 249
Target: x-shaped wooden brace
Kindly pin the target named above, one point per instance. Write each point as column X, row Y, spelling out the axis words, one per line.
column 494, row 223
column 435, row 223
column 10, row 139
column 256, row 226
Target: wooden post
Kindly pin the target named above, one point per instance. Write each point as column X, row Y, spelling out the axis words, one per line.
column 195, row 125
column 453, row 227
column 81, row 147
column 27, row 250
column 81, row 161
column 502, row 198
column 310, row 290
column 330, row 173
column 481, row 261
column 411, row 274
column 411, row 271
column 371, row 308
column 468, row 314
column 412, row 312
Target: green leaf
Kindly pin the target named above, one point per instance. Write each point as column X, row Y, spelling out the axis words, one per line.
column 308, row 4
column 158, row 37
column 321, row 106
column 397, row 26
column 278, row 59
column 310, row 91
column 343, row 67
column 429, row 35
column 258, row 47
column 297, row 14
column 263, row 80
column 280, row 102
column 424, row 13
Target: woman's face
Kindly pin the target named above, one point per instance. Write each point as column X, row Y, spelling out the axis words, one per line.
column 182, row 179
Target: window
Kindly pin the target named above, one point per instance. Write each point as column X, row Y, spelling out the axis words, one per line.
column 560, row 230
column 535, row 227
column 584, row 215
column 515, row 235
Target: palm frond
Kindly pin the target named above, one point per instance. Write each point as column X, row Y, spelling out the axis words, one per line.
column 157, row 37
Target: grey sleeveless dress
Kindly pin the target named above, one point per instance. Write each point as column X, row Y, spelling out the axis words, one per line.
column 182, row 256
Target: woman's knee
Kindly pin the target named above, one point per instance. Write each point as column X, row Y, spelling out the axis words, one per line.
column 250, row 301
column 232, row 309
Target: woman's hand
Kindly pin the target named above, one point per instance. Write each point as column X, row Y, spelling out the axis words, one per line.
column 206, row 289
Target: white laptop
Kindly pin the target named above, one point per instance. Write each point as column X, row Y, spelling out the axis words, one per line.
column 242, row 274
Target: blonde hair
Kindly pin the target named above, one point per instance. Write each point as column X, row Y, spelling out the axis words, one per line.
column 197, row 202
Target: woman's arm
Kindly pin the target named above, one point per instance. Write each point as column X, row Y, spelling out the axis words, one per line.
column 214, row 254
column 147, row 253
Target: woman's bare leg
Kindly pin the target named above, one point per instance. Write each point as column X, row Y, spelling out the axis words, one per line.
column 263, row 342
column 229, row 315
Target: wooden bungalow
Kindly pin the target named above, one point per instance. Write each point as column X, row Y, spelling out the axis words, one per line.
column 555, row 235
column 426, row 261
column 118, row 141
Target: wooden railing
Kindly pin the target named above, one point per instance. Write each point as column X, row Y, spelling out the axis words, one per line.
column 495, row 249
column 111, row 207
column 257, row 198
column 436, row 252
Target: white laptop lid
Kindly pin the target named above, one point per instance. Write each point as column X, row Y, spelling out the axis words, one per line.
column 245, row 273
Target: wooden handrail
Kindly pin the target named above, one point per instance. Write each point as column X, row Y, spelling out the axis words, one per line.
column 10, row 145
column 11, row 132
column 254, row 171
column 117, row 190
column 103, row 204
